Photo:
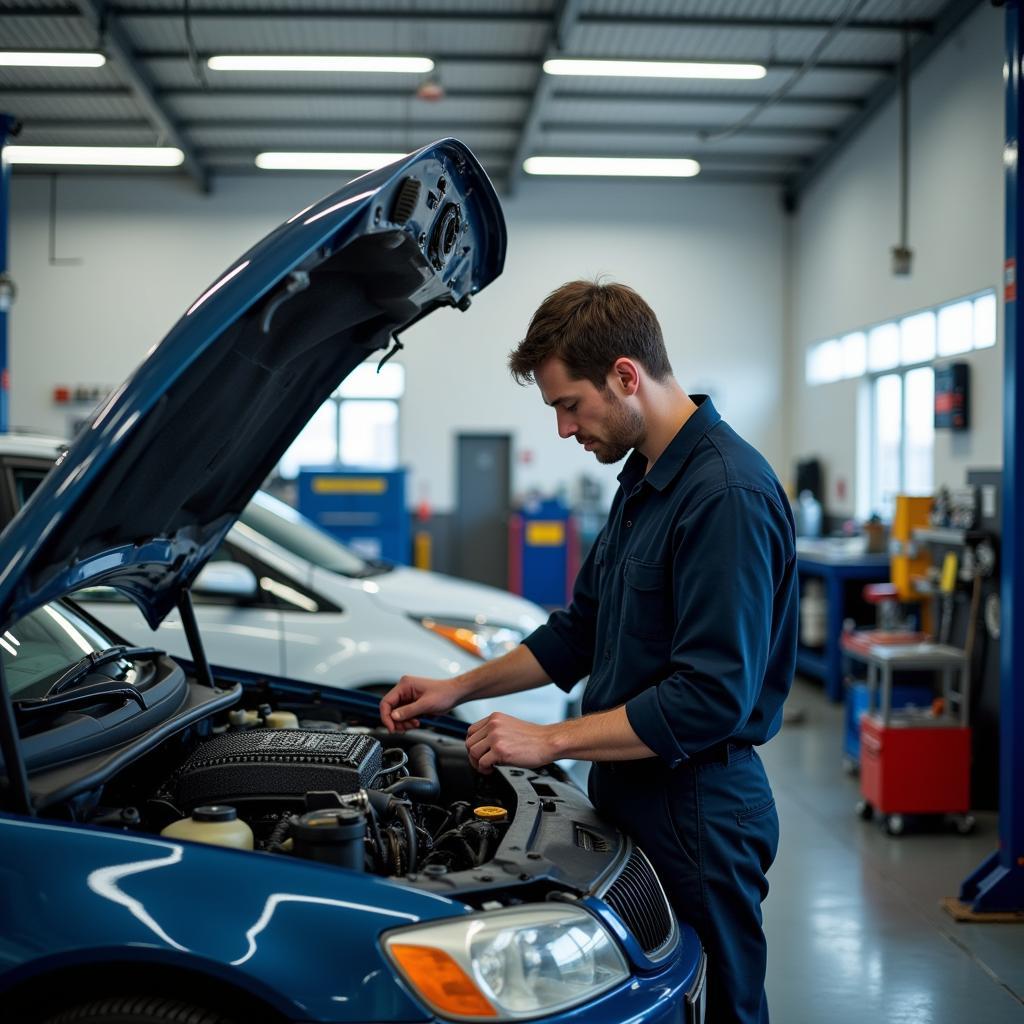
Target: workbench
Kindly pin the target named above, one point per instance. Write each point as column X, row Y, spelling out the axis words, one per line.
column 837, row 563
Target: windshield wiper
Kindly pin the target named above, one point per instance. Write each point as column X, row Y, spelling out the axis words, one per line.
column 87, row 665
column 83, row 696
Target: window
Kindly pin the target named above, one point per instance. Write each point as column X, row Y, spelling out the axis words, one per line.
column 356, row 426
column 948, row 330
column 884, row 347
column 902, row 438
column 855, row 354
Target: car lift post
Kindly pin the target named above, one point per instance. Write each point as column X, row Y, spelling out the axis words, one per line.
column 8, row 128
column 998, row 883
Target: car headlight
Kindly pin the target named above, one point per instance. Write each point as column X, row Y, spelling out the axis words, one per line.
column 484, row 642
column 508, row 964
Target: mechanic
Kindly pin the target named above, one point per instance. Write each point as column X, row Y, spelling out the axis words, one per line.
column 684, row 616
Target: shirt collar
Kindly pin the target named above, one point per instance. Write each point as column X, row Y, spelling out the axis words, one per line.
column 675, row 456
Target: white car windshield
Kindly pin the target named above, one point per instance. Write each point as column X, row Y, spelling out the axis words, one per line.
column 284, row 526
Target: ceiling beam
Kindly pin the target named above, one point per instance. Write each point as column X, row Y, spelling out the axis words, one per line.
column 565, row 15
column 427, row 15
column 117, row 45
column 445, row 124
column 504, row 56
column 403, row 92
column 948, row 21
column 662, row 21
column 519, row 58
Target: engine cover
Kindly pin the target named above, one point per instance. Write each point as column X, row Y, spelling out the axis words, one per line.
column 275, row 764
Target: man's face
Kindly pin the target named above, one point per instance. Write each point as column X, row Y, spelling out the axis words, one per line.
column 602, row 421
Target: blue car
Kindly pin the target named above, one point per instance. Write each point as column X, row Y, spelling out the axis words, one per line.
column 187, row 842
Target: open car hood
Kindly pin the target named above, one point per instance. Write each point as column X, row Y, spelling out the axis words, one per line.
column 149, row 489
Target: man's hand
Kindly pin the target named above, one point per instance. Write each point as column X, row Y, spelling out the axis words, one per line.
column 502, row 739
column 416, row 695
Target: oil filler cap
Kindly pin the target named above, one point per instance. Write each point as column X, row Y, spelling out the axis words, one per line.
column 487, row 813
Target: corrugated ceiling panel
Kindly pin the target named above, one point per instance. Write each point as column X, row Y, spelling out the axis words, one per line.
column 42, row 32
column 68, row 106
column 668, row 144
column 755, row 44
column 85, row 136
column 467, row 7
column 704, row 112
column 368, row 140
column 105, row 77
column 884, row 10
column 314, row 35
column 190, row 107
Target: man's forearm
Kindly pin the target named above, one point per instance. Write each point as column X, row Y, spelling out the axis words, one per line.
column 605, row 736
column 511, row 673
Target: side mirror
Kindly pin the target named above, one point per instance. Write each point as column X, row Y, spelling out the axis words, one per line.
column 226, row 579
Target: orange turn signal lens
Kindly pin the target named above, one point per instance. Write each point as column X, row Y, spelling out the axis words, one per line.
column 441, row 981
column 459, row 635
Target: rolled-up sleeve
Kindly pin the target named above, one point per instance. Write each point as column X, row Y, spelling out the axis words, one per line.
column 564, row 645
column 728, row 553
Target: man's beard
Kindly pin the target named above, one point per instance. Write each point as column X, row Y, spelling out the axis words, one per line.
column 623, row 430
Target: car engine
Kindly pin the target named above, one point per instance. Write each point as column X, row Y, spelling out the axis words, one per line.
column 333, row 791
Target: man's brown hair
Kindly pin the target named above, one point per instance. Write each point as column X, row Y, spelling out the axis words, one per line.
column 588, row 325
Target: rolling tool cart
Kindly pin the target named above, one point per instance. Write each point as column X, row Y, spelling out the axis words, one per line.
column 913, row 761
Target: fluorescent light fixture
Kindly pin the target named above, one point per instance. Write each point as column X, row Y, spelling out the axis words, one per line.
column 629, row 167
column 98, row 156
column 24, row 59
column 266, row 62
column 325, row 161
column 653, row 69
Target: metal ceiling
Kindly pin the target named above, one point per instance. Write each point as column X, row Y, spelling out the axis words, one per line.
column 156, row 89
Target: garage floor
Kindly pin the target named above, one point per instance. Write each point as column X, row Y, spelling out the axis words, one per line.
column 855, row 932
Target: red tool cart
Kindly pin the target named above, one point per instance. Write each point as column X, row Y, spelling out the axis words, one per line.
column 913, row 761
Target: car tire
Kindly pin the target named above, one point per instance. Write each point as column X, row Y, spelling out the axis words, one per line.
column 137, row 1010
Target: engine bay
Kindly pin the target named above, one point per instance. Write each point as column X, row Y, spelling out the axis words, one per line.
column 320, row 782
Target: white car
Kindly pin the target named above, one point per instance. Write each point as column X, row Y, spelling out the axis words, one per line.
column 283, row 597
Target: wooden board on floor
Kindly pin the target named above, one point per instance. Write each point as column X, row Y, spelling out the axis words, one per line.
column 961, row 911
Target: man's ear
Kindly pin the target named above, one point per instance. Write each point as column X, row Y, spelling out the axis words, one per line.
column 625, row 376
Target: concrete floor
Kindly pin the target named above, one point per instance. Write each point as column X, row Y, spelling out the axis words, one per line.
column 855, row 930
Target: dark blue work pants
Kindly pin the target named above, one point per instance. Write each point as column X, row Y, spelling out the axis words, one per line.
column 711, row 831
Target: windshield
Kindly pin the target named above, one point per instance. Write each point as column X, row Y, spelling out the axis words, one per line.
column 284, row 526
column 42, row 645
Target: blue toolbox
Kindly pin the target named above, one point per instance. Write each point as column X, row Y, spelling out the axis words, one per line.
column 857, row 702
column 543, row 553
column 364, row 508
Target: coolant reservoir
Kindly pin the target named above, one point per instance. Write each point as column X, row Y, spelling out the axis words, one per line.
column 216, row 824
column 281, row 720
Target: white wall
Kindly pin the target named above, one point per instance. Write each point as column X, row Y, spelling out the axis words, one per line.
column 706, row 257
column 847, row 223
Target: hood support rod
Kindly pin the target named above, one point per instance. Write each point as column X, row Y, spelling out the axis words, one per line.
column 10, row 746
column 195, row 642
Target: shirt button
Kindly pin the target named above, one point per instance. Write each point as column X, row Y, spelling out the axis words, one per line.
column 629, row 523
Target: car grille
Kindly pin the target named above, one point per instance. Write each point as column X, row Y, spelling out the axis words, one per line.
column 637, row 897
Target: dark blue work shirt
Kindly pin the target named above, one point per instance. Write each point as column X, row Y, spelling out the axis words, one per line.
column 685, row 609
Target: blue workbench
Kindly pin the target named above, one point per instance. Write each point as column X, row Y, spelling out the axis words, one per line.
column 833, row 562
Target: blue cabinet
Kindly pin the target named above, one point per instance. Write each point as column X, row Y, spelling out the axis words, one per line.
column 364, row 508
